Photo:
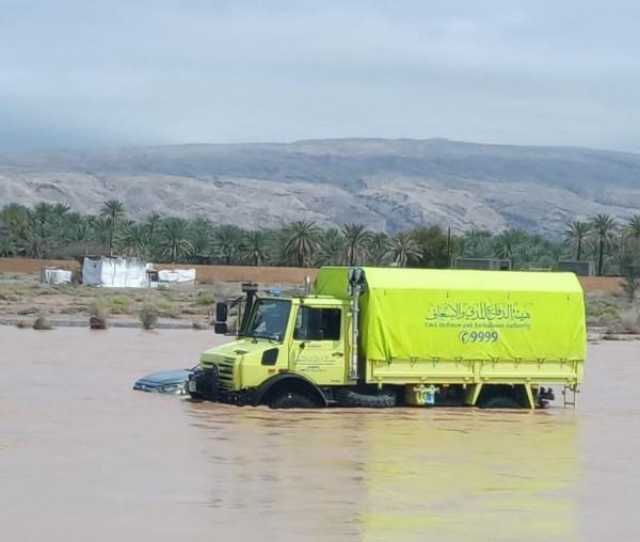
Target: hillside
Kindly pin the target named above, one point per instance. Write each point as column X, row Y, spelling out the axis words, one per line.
column 386, row 184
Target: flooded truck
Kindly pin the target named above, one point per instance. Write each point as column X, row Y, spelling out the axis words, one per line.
column 381, row 337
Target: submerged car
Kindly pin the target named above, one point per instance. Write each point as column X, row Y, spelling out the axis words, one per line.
column 164, row 382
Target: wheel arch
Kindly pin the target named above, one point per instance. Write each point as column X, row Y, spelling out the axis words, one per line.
column 520, row 393
column 289, row 382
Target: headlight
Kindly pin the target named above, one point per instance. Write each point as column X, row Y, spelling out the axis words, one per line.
column 171, row 388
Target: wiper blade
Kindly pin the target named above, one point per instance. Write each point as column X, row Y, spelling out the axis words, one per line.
column 268, row 337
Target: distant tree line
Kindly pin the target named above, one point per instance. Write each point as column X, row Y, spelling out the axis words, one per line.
column 54, row 231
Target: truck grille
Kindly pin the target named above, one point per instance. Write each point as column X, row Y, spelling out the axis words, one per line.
column 225, row 373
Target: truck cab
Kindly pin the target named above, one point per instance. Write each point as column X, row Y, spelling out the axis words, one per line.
column 289, row 351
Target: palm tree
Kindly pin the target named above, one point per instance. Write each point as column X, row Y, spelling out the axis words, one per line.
column 8, row 247
column 506, row 242
column 301, row 241
column 18, row 223
column 356, row 239
column 576, row 233
column 152, row 225
column 331, row 248
column 603, row 226
column 633, row 227
column 7, row 244
column 60, row 210
column 135, row 240
column 378, row 248
column 112, row 210
column 254, row 247
column 477, row 244
column 200, row 235
column 403, row 247
column 174, row 239
column 227, row 240
column 41, row 224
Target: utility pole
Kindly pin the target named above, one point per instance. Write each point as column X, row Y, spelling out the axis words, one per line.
column 449, row 245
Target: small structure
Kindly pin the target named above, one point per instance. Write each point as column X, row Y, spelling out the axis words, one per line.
column 486, row 264
column 52, row 275
column 582, row 268
column 169, row 277
column 114, row 272
column 177, row 276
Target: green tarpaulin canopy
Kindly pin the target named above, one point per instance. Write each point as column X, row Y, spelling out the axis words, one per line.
column 427, row 314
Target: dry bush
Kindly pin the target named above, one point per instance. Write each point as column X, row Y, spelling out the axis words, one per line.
column 27, row 311
column 41, row 323
column 603, row 311
column 23, row 324
column 98, row 315
column 630, row 321
column 148, row 316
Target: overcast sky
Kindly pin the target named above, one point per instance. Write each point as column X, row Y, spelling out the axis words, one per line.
column 78, row 73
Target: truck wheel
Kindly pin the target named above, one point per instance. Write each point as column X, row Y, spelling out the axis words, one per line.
column 350, row 398
column 292, row 400
column 500, row 401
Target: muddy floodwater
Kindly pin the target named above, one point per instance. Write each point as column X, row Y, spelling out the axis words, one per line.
column 83, row 457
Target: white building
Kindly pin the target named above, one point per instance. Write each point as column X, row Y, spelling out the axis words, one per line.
column 114, row 272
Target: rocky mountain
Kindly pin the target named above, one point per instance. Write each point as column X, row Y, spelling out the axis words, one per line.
column 386, row 184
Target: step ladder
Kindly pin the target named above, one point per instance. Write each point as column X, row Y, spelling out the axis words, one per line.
column 570, row 396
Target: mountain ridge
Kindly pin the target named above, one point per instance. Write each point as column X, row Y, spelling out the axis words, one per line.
column 387, row 184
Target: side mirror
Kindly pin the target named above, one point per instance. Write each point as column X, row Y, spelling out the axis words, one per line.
column 221, row 312
column 220, row 328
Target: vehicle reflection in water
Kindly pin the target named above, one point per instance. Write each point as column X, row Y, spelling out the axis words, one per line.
column 392, row 475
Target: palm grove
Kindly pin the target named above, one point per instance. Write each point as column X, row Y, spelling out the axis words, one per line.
column 55, row 231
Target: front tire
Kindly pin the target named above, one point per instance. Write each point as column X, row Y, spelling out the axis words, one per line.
column 291, row 399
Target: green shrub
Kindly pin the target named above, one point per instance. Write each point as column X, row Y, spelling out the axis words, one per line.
column 166, row 309
column 205, row 297
column 119, row 305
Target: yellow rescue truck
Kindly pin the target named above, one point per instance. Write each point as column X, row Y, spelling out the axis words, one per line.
column 373, row 337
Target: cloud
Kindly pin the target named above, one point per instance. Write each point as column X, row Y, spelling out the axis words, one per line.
column 84, row 74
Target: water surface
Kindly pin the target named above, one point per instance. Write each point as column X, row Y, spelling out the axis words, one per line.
column 83, row 457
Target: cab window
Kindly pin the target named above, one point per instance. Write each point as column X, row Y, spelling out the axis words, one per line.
column 315, row 324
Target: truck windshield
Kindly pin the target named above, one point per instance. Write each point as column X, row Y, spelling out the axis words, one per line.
column 269, row 319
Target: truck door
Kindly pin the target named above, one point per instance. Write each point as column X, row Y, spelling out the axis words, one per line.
column 318, row 351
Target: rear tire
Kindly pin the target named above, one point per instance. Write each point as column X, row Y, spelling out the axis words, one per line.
column 500, row 401
column 292, row 399
column 350, row 398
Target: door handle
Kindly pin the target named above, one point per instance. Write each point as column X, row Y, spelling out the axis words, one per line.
column 337, row 354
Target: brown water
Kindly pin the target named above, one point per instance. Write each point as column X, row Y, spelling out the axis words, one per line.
column 83, row 457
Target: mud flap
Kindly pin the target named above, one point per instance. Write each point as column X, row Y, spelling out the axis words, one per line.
column 529, row 395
